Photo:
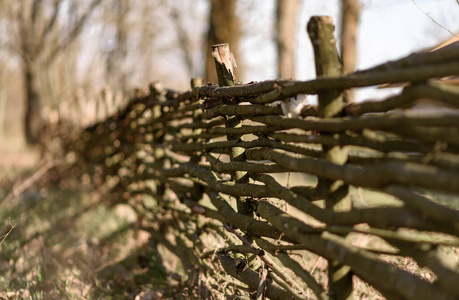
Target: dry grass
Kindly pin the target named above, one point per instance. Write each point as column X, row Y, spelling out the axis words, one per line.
column 65, row 244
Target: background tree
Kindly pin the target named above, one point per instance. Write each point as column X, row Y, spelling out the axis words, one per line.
column 223, row 28
column 40, row 30
column 183, row 38
column 3, row 74
column 286, row 21
column 349, row 31
column 116, row 18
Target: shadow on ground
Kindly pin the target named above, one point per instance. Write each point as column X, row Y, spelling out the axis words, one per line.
column 65, row 244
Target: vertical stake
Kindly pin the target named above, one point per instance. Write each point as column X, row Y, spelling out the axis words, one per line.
column 224, row 64
column 157, row 93
column 328, row 63
column 196, row 82
column 197, row 191
column 197, row 115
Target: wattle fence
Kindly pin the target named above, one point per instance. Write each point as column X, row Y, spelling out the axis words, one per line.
column 242, row 182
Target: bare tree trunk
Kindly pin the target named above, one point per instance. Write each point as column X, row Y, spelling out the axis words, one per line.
column 223, row 28
column 33, row 121
column 116, row 74
column 349, row 31
column 184, row 41
column 287, row 11
column 2, row 113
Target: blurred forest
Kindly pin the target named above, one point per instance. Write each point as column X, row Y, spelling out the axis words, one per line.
column 55, row 51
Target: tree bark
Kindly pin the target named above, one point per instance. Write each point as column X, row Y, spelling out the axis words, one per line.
column 286, row 19
column 223, row 28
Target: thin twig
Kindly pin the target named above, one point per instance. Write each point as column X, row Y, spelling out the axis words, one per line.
column 261, row 288
column 8, row 233
column 30, row 180
column 432, row 19
column 271, row 264
column 285, row 285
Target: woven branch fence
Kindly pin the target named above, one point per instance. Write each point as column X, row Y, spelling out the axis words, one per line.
column 242, row 181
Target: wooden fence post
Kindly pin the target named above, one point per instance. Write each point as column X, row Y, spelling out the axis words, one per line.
column 224, row 63
column 197, row 113
column 157, row 91
column 197, row 117
column 327, row 61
